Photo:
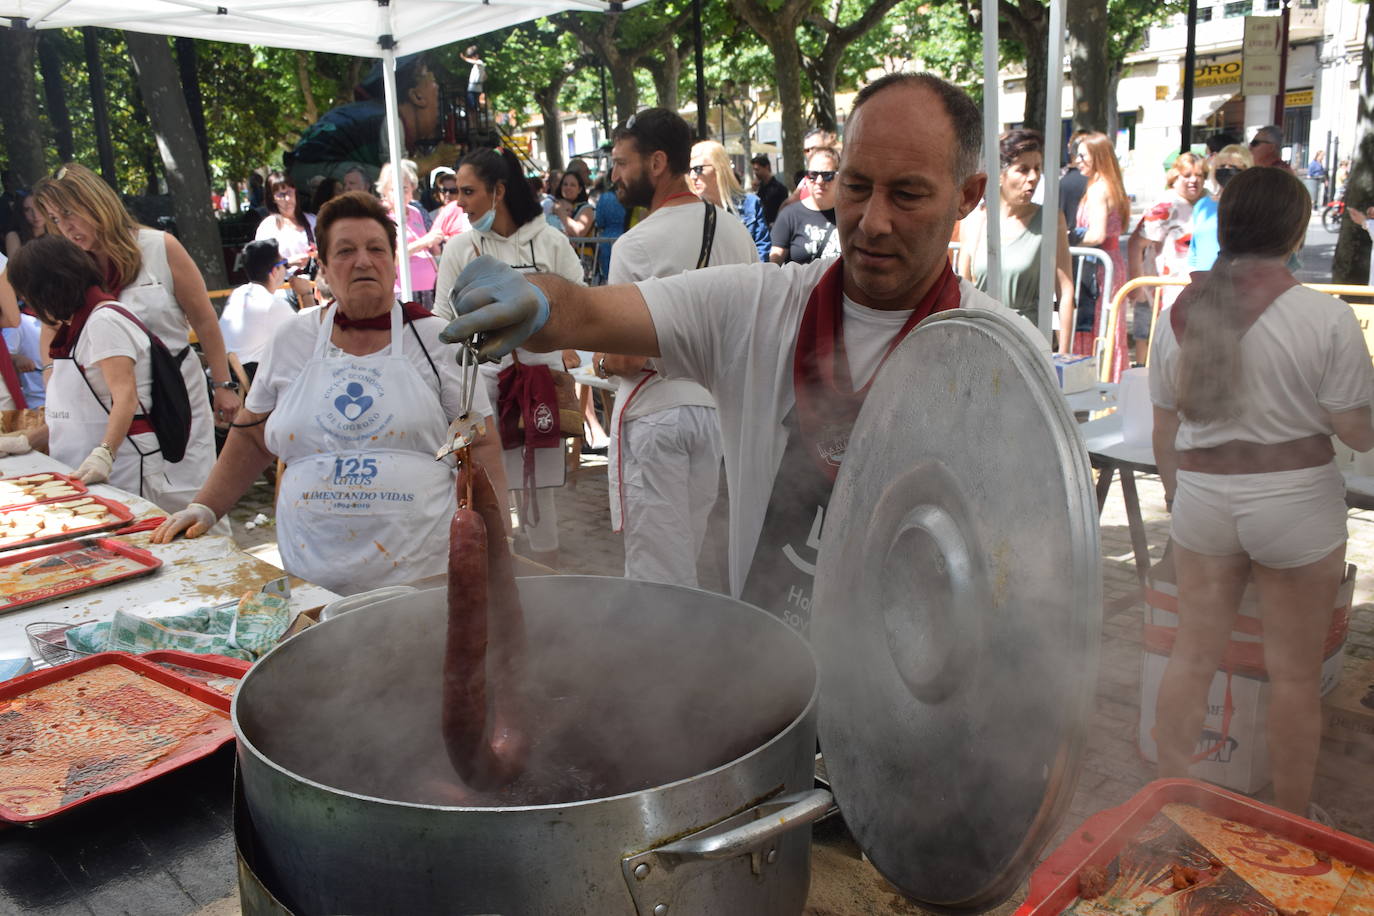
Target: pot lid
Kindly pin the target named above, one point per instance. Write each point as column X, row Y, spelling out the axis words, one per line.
column 957, row 611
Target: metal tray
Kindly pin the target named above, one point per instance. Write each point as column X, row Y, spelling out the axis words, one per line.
column 1256, row 852
column 12, row 599
column 217, row 702
column 70, row 481
column 122, row 516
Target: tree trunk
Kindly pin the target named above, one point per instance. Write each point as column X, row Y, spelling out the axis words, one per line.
column 312, row 110
column 778, row 29
column 1351, row 261
column 181, row 156
column 1033, row 36
column 821, row 72
column 190, row 88
column 19, row 106
column 54, row 94
column 624, row 89
column 547, row 100
column 100, row 105
column 1088, row 65
column 151, row 173
column 666, row 69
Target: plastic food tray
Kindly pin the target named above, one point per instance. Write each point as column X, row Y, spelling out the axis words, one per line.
column 1253, row 859
column 13, row 598
column 122, row 516
column 70, row 481
column 207, row 670
column 89, row 752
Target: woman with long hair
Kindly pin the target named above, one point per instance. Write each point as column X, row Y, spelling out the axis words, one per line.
column 1103, row 214
column 712, row 177
column 571, row 208
column 1022, row 154
column 1252, row 374
column 293, row 229
column 28, row 223
column 152, row 276
column 508, row 223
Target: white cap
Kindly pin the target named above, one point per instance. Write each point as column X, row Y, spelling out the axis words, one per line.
column 437, row 173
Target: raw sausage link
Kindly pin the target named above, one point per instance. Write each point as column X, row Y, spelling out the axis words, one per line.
column 465, row 689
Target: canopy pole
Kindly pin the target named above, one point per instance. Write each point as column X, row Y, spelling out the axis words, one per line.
column 1049, row 208
column 992, row 129
column 395, row 141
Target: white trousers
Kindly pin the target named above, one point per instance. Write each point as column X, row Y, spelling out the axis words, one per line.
column 670, row 463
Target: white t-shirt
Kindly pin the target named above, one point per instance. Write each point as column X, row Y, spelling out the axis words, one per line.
column 1303, row 358
column 108, row 333
column 734, row 330
column 663, row 244
column 294, row 345
column 251, row 316
column 292, row 240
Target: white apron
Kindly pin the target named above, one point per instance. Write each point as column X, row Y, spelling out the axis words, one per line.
column 629, row 390
column 76, row 424
column 363, row 503
column 151, row 298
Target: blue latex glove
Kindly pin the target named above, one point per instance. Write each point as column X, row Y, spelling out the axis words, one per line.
column 496, row 301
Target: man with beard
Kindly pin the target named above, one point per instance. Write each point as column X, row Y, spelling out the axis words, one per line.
column 789, row 353
column 665, row 439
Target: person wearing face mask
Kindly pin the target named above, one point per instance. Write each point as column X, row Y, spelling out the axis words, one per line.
column 1229, row 162
column 1023, row 233
column 1159, row 245
column 508, row 223
column 805, row 232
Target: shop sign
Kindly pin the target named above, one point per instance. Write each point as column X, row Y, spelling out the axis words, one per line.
column 1297, row 98
column 1217, row 73
column 1260, row 51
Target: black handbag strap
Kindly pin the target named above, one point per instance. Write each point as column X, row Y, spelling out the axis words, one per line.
column 708, row 234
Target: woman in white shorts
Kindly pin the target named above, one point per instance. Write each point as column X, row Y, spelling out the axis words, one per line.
column 1251, row 375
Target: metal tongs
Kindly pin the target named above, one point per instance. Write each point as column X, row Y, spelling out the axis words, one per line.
column 467, row 428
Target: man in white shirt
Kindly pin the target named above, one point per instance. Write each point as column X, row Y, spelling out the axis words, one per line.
column 665, row 440
column 258, row 308
column 788, row 352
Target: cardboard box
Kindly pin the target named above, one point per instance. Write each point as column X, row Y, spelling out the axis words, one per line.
column 1239, row 757
column 1075, row 373
column 1348, row 711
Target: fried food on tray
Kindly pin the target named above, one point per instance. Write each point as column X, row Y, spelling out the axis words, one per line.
column 15, row 491
column 44, row 520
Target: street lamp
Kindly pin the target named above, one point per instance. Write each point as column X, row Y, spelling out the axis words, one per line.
column 723, row 98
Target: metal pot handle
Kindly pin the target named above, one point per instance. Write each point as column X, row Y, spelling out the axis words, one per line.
column 654, row 876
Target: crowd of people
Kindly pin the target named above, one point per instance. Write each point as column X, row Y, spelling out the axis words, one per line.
column 757, row 366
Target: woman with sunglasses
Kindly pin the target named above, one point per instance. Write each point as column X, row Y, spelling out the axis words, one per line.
column 712, row 177
column 294, row 232
column 805, row 231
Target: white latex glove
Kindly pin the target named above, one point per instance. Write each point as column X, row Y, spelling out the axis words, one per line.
column 96, row 467
column 495, row 300
column 193, row 521
column 15, row 444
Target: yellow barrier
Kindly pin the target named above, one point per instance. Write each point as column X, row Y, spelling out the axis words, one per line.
column 1363, row 312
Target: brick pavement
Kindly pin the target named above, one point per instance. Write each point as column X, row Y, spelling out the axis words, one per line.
column 1113, row 770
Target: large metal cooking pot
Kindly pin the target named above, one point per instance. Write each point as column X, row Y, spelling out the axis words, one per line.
column 690, row 717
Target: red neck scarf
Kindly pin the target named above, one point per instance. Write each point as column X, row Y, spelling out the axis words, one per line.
column 1257, row 286
column 410, row 311
column 64, row 341
column 827, row 404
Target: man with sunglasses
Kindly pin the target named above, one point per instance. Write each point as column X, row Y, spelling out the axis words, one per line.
column 665, row 449
column 1267, row 148
column 788, row 352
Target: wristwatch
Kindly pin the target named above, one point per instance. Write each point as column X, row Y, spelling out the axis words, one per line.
column 601, row 368
column 231, row 385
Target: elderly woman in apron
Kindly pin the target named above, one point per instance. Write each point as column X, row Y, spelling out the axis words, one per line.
column 101, row 379
column 508, row 223
column 152, row 276
column 356, row 399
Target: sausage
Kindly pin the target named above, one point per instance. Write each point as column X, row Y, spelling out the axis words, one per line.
column 485, row 644
column 465, row 649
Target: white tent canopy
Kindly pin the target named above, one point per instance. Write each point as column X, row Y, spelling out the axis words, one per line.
column 364, row 28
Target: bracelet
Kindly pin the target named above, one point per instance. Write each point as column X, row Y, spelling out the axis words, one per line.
column 601, row 368
column 45, row 368
column 108, row 450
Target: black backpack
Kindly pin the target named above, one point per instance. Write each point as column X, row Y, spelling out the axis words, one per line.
column 170, row 412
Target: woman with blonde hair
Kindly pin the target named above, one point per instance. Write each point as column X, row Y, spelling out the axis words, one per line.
column 1252, row 374
column 151, row 275
column 421, row 244
column 1229, row 162
column 712, row 177
column 1103, row 214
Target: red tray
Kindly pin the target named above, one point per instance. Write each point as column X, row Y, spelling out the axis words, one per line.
column 14, row 596
column 207, row 670
column 85, row 753
column 1248, row 853
column 65, row 478
column 122, row 516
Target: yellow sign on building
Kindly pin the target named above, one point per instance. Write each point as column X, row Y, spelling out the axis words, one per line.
column 1297, row 98
column 1217, row 73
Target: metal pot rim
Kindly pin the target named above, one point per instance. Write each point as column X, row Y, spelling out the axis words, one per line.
column 246, row 746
